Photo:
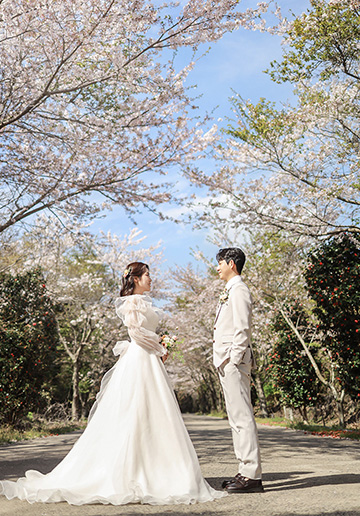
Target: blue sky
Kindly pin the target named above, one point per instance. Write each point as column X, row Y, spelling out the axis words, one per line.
column 236, row 62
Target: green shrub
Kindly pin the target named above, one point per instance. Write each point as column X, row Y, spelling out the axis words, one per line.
column 28, row 340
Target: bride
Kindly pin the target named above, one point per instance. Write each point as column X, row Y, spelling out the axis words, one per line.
column 135, row 448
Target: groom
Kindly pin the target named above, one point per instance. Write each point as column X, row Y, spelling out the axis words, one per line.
column 233, row 357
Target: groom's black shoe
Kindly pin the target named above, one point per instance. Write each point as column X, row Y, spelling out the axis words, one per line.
column 231, row 481
column 245, row 485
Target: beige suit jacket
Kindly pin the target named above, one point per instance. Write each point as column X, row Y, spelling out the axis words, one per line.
column 232, row 327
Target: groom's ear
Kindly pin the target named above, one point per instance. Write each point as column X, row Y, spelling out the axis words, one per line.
column 233, row 266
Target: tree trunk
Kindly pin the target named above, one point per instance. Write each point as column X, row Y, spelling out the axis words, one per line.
column 76, row 407
column 76, row 402
column 338, row 397
column 340, row 409
column 260, row 394
column 303, row 413
column 288, row 413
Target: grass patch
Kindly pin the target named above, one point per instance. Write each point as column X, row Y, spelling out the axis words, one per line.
column 218, row 413
column 9, row 434
column 322, row 431
column 273, row 421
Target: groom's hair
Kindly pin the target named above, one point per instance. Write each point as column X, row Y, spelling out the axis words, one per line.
column 232, row 253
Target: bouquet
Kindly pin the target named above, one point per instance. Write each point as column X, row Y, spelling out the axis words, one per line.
column 170, row 342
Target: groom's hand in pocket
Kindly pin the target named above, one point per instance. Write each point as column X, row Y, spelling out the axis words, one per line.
column 222, row 366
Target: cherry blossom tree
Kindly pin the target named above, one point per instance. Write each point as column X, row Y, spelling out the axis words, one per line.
column 193, row 302
column 93, row 109
column 296, row 168
column 193, row 313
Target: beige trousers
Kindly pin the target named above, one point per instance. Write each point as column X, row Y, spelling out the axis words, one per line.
column 235, row 382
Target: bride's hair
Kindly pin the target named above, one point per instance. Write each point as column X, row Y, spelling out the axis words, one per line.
column 127, row 281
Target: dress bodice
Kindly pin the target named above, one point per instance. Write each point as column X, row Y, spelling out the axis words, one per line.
column 141, row 305
column 151, row 319
column 141, row 319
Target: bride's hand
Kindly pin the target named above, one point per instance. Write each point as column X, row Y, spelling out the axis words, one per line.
column 165, row 357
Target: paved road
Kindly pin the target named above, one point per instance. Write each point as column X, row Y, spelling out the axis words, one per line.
column 303, row 475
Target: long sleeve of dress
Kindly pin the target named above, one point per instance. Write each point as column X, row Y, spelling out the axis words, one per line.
column 132, row 311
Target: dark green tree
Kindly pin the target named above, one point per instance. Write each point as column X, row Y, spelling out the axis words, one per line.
column 333, row 282
column 28, row 341
column 291, row 372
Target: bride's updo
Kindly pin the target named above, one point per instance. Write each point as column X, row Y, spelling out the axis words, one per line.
column 127, row 281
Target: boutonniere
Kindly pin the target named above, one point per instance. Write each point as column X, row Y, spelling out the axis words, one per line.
column 224, row 296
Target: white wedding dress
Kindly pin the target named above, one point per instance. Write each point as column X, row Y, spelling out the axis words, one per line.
column 135, row 448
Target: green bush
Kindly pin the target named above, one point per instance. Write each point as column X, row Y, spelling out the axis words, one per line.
column 333, row 282
column 292, row 373
column 28, row 340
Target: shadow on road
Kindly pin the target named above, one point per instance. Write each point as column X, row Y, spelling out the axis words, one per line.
column 287, row 483
column 42, row 454
column 297, row 480
column 304, row 442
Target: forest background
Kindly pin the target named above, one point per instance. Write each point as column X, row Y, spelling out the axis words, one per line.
column 97, row 115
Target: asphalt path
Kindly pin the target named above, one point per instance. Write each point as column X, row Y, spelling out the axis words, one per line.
column 303, row 475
